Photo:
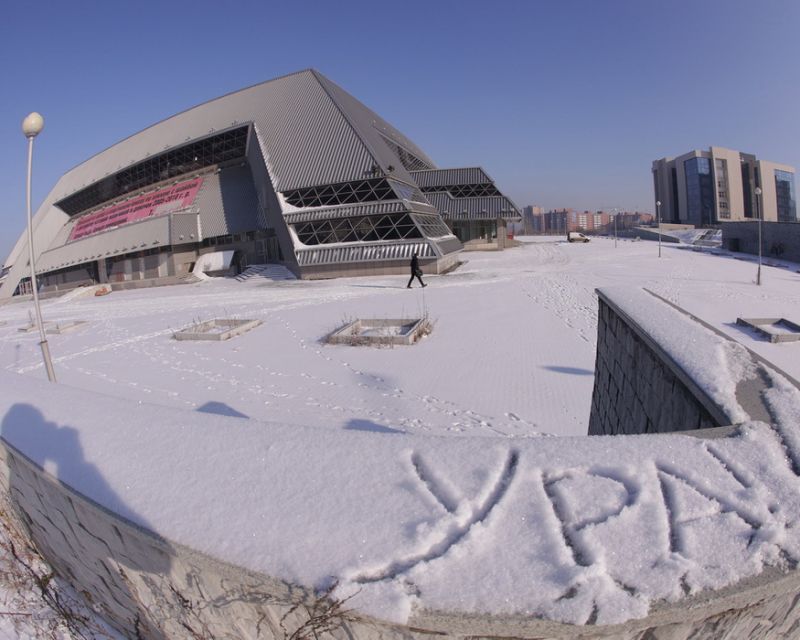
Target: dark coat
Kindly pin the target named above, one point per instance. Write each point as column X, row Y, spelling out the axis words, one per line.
column 415, row 266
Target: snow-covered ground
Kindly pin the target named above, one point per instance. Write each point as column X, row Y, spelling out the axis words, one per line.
column 575, row 529
column 512, row 350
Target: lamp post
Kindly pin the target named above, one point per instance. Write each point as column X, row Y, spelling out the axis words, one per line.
column 32, row 125
column 758, row 215
column 615, row 226
column 658, row 217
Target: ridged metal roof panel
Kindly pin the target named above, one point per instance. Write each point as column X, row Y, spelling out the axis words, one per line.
column 145, row 234
column 347, row 211
column 227, row 203
column 365, row 252
column 370, row 126
column 486, row 208
column 449, row 177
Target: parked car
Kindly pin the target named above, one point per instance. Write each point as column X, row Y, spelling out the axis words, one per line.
column 574, row 236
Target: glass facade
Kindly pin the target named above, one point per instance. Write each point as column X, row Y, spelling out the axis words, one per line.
column 466, row 190
column 408, row 159
column 747, row 191
column 432, row 225
column 699, row 191
column 784, row 194
column 326, row 195
column 466, row 230
column 361, row 229
column 226, row 147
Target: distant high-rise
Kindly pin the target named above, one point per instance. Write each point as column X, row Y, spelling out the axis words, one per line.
column 531, row 215
column 719, row 185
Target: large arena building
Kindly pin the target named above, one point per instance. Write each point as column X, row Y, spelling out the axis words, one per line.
column 294, row 171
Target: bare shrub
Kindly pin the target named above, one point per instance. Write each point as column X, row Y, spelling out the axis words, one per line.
column 323, row 616
column 33, row 601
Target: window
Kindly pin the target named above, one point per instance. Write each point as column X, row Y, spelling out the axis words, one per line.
column 784, row 194
column 721, row 174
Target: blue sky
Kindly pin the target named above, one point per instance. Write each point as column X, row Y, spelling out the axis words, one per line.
column 564, row 103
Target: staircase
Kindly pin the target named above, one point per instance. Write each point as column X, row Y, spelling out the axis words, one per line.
column 266, row 272
column 711, row 238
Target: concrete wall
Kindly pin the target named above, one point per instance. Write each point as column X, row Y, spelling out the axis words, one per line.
column 145, row 586
column 769, row 197
column 636, row 388
column 743, row 236
column 151, row 588
column 734, row 188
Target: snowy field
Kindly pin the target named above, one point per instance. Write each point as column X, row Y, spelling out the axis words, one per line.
column 573, row 529
column 512, row 350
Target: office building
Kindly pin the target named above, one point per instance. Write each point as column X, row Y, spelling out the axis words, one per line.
column 719, row 185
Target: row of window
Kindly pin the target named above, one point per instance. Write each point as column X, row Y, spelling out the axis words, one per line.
column 375, row 189
column 221, row 148
column 466, row 190
column 360, row 229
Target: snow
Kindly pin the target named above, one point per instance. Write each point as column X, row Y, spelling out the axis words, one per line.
column 417, row 476
column 214, row 261
column 687, row 236
column 716, row 364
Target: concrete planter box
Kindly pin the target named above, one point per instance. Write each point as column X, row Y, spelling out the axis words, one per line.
column 30, row 328
column 380, row 331
column 774, row 329
column 216, row 329
column 64, row 327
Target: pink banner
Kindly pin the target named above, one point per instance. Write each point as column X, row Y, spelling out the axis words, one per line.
column 153, row 204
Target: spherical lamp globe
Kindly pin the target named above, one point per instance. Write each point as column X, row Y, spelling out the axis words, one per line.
column 32, row 125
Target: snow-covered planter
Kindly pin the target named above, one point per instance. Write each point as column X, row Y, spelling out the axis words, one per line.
column 774, row 329
column 57, row 328
column 216, row 329
column 381, row 332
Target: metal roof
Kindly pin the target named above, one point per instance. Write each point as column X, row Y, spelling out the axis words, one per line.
column 450, row 177
column 485, row 208
column 370, row 126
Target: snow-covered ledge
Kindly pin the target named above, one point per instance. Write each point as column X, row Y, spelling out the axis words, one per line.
column 175, row 522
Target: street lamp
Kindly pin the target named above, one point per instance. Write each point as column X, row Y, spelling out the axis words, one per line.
column 658, row 217
column 615, row 226
column 32, row 126
column 758, row 215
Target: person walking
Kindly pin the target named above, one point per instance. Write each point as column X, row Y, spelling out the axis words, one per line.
column 416, row 272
